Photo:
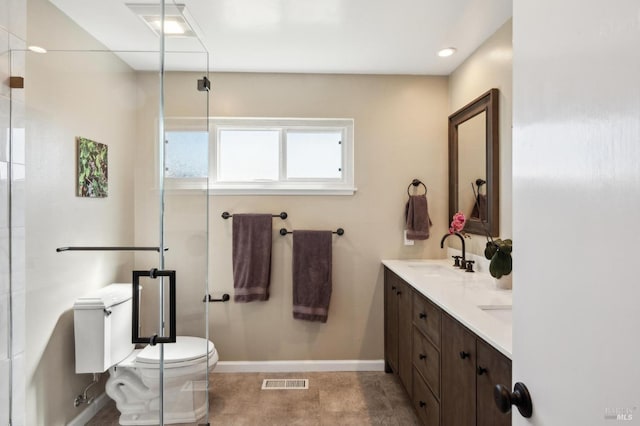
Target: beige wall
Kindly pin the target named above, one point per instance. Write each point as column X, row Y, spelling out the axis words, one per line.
column 488, row 67
column 68, row 95
column 400, row 134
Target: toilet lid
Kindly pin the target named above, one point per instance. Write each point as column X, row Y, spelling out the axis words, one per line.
column 185, row 349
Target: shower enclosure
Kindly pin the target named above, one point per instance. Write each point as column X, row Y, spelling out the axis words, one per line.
column 116, row 187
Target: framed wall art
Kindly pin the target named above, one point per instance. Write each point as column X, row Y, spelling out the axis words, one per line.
column 92, row 172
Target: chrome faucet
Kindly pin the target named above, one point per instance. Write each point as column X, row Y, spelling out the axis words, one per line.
column 464, row 260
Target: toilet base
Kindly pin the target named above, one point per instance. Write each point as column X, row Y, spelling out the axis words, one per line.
column 137, row 394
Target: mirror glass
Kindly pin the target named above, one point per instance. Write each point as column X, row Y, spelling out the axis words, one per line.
column 472, row 167
column 473, row 164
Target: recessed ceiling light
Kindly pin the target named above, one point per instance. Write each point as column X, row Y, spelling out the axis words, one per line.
column 175, row 19
column 443, row 53
column 37, row 49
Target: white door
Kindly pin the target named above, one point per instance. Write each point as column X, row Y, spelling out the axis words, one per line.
column 576, row 210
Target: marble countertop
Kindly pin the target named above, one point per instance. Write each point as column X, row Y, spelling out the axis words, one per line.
column 470, row 298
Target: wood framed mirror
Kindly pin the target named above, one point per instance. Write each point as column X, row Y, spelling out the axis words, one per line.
column 474, row 159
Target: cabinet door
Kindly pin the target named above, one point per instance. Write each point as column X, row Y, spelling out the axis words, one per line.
column 391, row 319
column 458, row 374
column 404, row 334
column 496, row 369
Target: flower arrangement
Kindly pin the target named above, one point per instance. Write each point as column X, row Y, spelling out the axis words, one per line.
column 457, row 223
column 497, row 251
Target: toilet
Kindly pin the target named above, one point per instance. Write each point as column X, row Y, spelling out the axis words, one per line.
column 102, row 325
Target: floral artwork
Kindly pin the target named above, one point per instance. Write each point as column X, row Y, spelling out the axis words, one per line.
column 92, row 169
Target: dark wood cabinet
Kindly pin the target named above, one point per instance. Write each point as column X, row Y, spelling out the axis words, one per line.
column 459, row 374
column 470, row 369
column 398, row 328
column 496, row 369
column 447, row 370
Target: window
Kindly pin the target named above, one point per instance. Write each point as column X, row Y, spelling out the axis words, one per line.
column 186, row 154
column 264, row 156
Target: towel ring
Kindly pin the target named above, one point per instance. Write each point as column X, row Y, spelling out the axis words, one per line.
column 415, row 183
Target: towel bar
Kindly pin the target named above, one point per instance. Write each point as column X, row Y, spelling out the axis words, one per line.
column 282, row 215
column 283, row 231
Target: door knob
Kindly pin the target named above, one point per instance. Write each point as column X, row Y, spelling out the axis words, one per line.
column 520, row 397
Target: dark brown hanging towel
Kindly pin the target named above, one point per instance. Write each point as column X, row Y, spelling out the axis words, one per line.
column 417, row 217
column 311, row 275
column 251, row 257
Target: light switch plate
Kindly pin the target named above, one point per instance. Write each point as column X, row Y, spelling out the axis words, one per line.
column 407, row 242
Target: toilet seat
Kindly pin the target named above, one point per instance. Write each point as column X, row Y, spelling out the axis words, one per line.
column 186, row 351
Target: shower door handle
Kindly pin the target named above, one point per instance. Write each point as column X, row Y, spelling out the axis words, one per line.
column 152, row 340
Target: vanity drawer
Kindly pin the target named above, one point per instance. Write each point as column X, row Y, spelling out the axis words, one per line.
column 427, row 317
column 426, row 359
column 426, row 405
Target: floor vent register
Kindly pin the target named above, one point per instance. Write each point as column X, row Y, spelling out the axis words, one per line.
column 285, row 384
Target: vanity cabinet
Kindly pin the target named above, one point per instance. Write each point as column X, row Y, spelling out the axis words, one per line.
column 427, row 319
column 447, row 370
column 397, row 327
column 470, row 369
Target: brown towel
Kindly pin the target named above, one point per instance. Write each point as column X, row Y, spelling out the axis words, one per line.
column 417, row 216
column 311, row 275
column 480, row 208
column 251, row 256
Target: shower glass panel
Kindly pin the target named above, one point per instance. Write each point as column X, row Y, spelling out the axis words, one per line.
column 98, row 125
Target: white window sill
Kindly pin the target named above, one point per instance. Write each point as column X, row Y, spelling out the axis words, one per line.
column 197, row 186
column 281, row 190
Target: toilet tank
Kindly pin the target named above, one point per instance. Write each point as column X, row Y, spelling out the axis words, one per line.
column 102, row 327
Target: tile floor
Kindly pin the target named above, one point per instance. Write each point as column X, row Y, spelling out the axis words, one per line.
column 346, row 398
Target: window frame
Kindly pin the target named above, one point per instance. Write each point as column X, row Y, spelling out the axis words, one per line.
column 284, row 186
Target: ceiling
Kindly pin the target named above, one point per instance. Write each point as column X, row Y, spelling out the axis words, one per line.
column 306, row 36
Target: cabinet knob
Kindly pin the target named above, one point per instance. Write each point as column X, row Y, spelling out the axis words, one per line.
column 393, row 287
column 520, row 397
column 422, row 404
column 422, row 315
column 398, row 293
column 464, row 354
column 481, row 370
column 422, row 356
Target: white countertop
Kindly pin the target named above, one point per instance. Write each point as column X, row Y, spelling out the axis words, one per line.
column 461, row 294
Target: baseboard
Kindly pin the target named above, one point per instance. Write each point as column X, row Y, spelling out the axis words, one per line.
column 91, row 410
column 298, row 366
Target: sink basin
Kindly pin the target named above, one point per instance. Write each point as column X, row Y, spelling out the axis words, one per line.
column 431, row 270
column 502, row 313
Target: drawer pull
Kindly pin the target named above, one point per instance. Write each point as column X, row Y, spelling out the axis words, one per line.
column 422, row 356
column 481, row 370
column 464, row 354
column 422, row 404
column 422, row 315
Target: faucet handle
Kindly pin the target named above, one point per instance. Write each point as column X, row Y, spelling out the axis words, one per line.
column 470, row 266
column 456, row 260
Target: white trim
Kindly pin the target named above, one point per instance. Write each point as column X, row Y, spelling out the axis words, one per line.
column 297, row 366
column 90, row 412
column 219, row 189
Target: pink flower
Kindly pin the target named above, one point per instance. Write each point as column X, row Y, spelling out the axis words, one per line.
column 457, row 224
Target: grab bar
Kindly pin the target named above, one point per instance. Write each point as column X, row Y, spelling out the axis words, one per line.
column 113, row 248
